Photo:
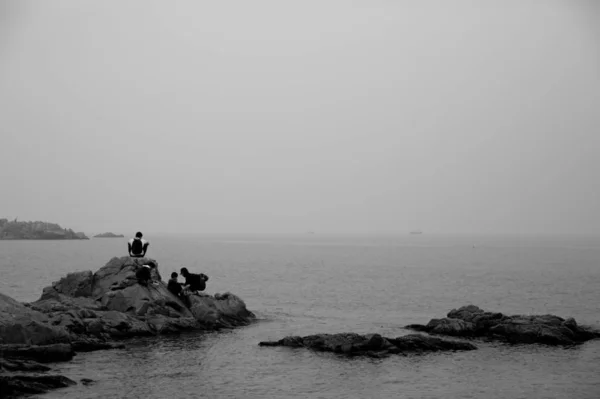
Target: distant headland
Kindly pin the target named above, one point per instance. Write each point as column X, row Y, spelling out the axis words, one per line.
column 15, row 230
column 109, row 235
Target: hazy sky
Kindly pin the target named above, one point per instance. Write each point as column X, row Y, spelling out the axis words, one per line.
column 364, row 116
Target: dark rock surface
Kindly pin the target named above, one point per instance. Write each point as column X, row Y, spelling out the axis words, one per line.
column 471, row 321
column 15, row 386
column 371, row 345
column 41, row 353
column 21, row 365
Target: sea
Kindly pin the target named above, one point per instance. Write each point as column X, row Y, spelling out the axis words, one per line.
column 308, row 284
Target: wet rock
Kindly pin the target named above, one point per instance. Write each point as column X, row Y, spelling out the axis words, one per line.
column 40, row 353
column 223, row 310
column 372, row 345
column 14, row 386
column 87, row 381
column 94, row 344
column 454, row 327
column 11, row 364
column 471, row 321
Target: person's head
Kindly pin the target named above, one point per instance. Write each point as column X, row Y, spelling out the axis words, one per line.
column 138, row 234
column 184, row 272
column 174, row 275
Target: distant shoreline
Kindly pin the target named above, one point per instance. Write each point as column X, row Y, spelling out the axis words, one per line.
column 38, row 230
column 45, row 239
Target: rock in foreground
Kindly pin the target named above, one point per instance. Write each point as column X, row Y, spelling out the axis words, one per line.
column 86, row 311
column 111, row 303
column 471, row 321
column 372, row 345
column 15, row 386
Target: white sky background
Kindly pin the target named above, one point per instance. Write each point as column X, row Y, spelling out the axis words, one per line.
column 293, row 116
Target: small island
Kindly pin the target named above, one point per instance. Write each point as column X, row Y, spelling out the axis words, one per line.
column 109, row 235
column 15, row 230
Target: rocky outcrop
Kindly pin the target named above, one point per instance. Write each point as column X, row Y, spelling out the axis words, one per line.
column 21, row 325
column 111, row 303
column 88, row 311
column 371, row 345
column 471, row 321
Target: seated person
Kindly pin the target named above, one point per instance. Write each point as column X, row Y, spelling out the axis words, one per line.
column 174, row 286
column 143, row 275
column 194, row 282
column 137, row 246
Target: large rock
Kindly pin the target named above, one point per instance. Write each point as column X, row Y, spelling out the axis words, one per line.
column 371, row 345
column 222, row 310
column 22, row 325
column 471, row 321
column 87, row 311
column 111, row 303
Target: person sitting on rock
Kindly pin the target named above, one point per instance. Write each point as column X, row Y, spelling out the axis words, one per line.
column 137, row 246
column 194, row 282
column 144, row 274
column 174, row 286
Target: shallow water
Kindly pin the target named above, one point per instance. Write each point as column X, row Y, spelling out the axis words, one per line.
column 312, row 284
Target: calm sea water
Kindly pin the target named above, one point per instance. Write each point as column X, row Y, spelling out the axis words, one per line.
column 306, row 285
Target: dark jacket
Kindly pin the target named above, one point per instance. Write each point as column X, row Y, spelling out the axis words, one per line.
column 174, row 286
column 197, row 282
column 143, row 274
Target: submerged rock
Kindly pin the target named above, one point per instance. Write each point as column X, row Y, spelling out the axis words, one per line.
column 471, row 321
column 372, row 345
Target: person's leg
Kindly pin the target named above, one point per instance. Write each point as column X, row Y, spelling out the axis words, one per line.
column 144, row 249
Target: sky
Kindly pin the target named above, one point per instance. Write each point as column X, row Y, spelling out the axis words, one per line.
column 277, row 117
